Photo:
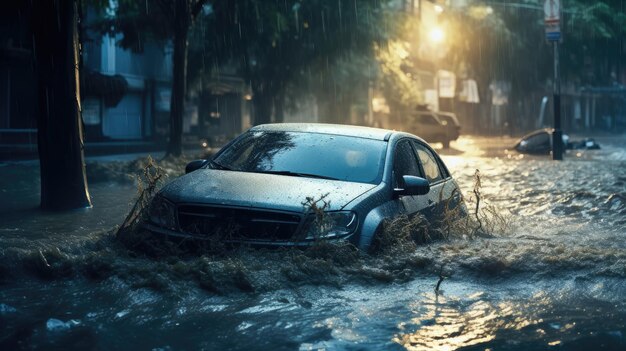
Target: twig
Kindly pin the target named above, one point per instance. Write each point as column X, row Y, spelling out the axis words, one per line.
column 477, row 186
column 441, row 279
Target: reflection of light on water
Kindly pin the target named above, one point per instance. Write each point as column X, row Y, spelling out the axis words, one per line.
column 455, row 162
column 468, row 146
column 448, row 325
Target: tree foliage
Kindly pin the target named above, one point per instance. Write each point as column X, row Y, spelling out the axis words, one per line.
column 277, row 43
column 508, row 42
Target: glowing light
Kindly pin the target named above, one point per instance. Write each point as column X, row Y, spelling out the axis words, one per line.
column 480, row 12
column 436, row 35
column 438, row 8
column 248, row 97
column 379, row 104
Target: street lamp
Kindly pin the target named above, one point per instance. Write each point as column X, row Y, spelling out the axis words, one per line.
column 436, row 35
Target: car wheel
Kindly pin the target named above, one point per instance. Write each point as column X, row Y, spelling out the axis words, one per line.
column 373, row 246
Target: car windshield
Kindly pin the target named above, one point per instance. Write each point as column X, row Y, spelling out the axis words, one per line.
column 315, row 155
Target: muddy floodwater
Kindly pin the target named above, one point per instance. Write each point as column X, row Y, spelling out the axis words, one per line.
column 552, row 277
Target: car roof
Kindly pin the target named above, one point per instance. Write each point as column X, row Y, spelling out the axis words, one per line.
column 324, row 128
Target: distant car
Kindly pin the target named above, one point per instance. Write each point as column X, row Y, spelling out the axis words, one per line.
column 452, row 123
column 434, row 127
column 294, row 184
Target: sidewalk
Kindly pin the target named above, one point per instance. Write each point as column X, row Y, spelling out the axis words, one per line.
column 107, row 158
column 29, row 151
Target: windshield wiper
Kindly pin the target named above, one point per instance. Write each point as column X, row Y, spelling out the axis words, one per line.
column 220, row 166
column 297, row 174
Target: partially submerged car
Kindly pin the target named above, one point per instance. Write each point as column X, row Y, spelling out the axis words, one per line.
column 294, row 184
column 539, row 142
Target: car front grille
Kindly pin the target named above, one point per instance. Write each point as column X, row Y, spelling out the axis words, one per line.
column 236, row 223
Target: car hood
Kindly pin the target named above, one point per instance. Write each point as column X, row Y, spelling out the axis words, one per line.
column 279, row 192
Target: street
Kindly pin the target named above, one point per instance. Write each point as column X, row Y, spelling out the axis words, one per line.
column 552, row 275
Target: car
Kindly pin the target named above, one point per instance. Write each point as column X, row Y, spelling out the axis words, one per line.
column 539, row 142
column 292, row 184
column 453, row 126
column 435, row 127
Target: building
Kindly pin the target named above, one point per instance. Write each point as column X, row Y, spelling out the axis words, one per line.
column 125, row 94
column 18, row 133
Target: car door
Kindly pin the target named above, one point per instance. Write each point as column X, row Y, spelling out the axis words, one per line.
column 441, row 184
column 406, row 163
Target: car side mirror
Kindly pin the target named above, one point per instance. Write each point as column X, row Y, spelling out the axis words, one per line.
column 195, row 165
column 413, row 186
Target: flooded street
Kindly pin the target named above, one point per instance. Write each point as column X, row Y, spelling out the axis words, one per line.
column 553, row 277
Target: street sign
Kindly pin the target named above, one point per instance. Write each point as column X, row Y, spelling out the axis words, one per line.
column 553, row 32
column 552, row 19
column 552, row 11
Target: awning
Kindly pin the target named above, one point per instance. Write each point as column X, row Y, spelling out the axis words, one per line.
column 110, row 88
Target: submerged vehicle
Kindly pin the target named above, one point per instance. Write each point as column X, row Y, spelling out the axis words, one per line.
column 539, row 142
column 293, row 184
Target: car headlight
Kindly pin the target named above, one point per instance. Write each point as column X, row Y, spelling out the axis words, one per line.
column 329, row 225
column 163, row 213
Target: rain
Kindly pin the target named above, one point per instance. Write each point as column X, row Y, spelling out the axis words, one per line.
column 313, row 174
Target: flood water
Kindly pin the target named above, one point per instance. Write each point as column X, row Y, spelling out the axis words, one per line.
column 553, row 278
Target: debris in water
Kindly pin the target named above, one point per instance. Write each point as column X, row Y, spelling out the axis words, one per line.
column 441, row 279
column 6, row 309
column 121, row 314
column 55, row 325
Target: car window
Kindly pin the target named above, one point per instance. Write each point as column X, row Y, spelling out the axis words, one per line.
column 538, row 140
column 426, row 119
column 405, row 163
column 429, row 163
column 334, row 156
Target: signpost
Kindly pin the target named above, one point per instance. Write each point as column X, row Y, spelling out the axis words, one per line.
column 552, row 19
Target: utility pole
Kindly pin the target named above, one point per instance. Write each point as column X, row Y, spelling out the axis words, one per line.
column 552, row 19
column 557, row 135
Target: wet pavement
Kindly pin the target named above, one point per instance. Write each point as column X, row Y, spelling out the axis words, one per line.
column 552, row 277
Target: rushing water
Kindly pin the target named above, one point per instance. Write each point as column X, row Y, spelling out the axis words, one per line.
column 554, row 278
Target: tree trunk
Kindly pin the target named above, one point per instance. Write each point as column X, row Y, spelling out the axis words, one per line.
column 182, row 20
column 59, row 123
